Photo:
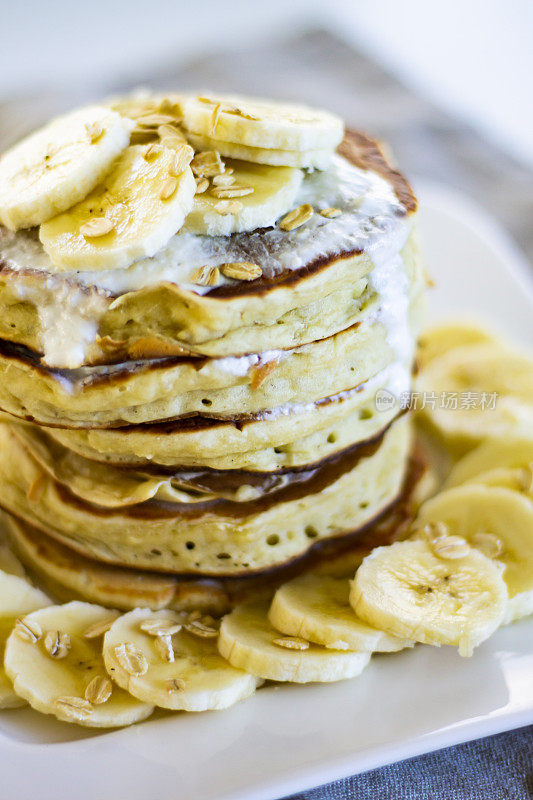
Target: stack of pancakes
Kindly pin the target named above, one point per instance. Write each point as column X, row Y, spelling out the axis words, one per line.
column 204, row 440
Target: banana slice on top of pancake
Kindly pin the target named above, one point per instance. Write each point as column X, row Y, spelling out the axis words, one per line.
column 54, row 658
column 249, row 641
column 17, row 598
column 163, row 659
column 141, row 204
column 496, row 521
column 260, row 123
column 148, row 109
column 305, row 159
column 317, row 608
column 57, row 166
column 446, row 594
column 243, row 197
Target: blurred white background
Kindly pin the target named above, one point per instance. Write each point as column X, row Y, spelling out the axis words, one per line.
column 471, row 57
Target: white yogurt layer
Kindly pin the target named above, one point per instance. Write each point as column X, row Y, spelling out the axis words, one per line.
column 241, row 365
column 373, row 221
column 390, row 282
column 69, row 318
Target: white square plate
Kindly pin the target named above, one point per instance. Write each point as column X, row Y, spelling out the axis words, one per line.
column 289, row 738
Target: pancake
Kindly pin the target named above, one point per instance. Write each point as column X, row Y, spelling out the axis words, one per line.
column 114, row 487
column 161, row 389
column 312, row 279
column 67, row 575
column 9, row 562
column 170, row 388
column 284, row 437
column 189, row 428
column 218, row 537
column 323, row 302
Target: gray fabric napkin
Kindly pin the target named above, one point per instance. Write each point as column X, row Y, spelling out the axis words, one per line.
column 497, row 768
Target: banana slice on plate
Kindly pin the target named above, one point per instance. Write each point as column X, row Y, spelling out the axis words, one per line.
column 17, row 598
column 250, row 642
column 497, row 462
column 498, row 522
column 59, row 669
column 261, row 123
column 56, row 167
column 318, row 159
column 434, row 342
column 157, row 660
column 141, row 204
column 259, row 195
column 410, row 591
column 318, row 609
column 479, row 391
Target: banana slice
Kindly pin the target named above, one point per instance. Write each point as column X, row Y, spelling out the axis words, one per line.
column 273, row 193
column 500, row 523
column 17, row 598
column 409, row 591
column 261, row 123
column 63, row 673
column 479, row 391
column 133, row 214
column 318, row 609
column 56, row 167
column 507, row 463
column 436, row 341
column 151, row 109
column 176, row 669
column 249, row 642
column 318, row 159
